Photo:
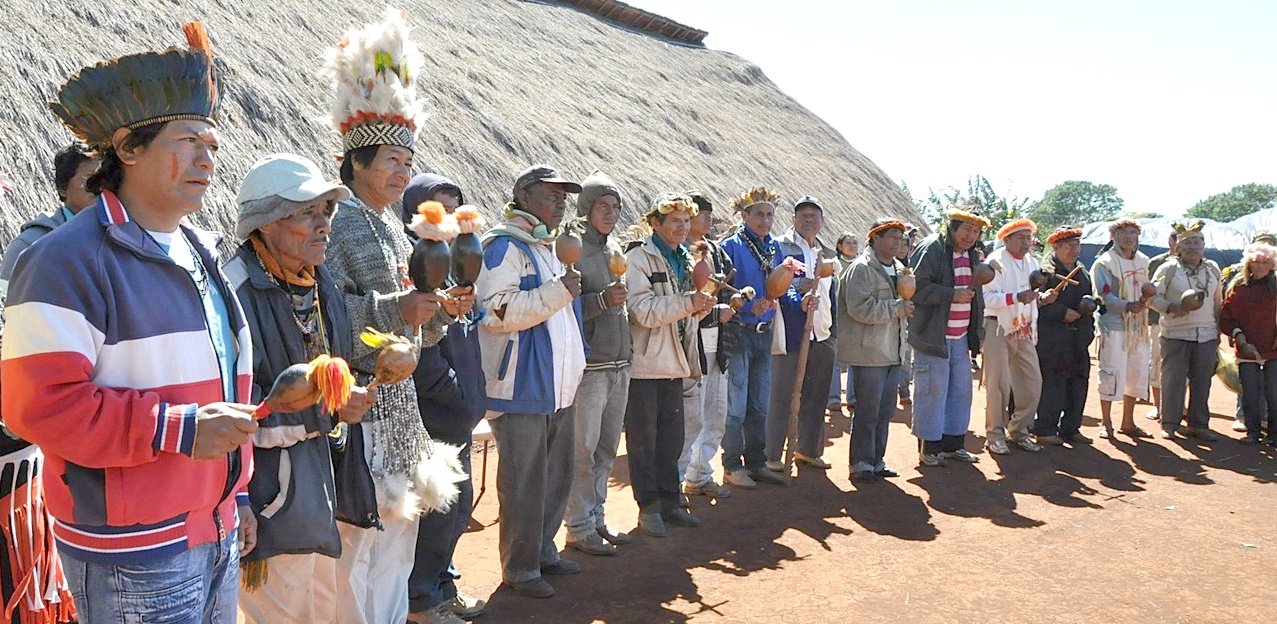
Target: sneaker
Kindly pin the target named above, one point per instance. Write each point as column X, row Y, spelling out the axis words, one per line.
column 532, row 588
column 562, row 567
column 709, row 488
column 1250, row 440
column 1076, row 438
column 1026, row 444
column 466, row 607
column 1152, row 414
column 961, row 455
column 740, row 478
column 766, row 476
column 1053, row 440
column 932, row 460
column 997, row 447
column 1166, row 434
column 834, row 409
column 887, row 472
column 613, row 537
column 1239, row 425
column 814, row 462
column 652, row 525
column 774, row 466
column 593, row 544
column 680, row 518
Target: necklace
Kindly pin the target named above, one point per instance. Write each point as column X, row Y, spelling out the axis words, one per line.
column 308, row 315
column 764, row 259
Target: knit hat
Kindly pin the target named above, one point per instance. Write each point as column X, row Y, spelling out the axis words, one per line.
column 374, row 71
column 140, row 90
column 286, row 176
column 1018, row 225
column 594, row 186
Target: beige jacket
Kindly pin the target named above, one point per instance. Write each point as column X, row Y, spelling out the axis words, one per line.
column 655, row 306
column 871, row 326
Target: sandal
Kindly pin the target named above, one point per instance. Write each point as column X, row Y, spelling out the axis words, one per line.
column 1106, row 433
column 1136, row 432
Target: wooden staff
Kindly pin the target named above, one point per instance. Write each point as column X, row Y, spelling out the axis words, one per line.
column 795, row 398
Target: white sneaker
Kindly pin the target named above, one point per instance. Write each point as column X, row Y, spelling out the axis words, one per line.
column 1152, row 414
column 1239, row 425
column 741, row 479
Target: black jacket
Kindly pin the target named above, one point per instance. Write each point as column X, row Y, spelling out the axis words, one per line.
column 932, row 263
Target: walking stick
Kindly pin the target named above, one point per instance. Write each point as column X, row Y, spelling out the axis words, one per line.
column 795, row 398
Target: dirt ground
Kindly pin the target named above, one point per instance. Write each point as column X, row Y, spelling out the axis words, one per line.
column 1124, row 531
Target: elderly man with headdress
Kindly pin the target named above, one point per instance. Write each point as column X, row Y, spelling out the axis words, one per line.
column 533, row 359
column 378, row 117
column 1065, row 332
column 871, row 338
column 754, row 253
column 664, row 310
column 1120, row 273
column 605, row 386
column 1190, row 333
column 809, row 294
column 127, row 358
column 295, row 314
column 1249, row 319
column 944, row 329
column 1010, row 340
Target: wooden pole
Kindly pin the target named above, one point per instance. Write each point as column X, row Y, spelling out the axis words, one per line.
column 795, row 399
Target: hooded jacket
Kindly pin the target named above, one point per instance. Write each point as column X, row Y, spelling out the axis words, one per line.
column 422, row 188
column 607, row 330
column 29, row 233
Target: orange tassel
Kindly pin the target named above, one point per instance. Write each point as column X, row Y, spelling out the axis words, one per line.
column 433, row 211
column 197, row 37
column 332, row 376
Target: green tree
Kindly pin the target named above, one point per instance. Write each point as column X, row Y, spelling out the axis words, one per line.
column 1238, row 202
column 1142, row 215
column 997, row 208
column 1076, row 203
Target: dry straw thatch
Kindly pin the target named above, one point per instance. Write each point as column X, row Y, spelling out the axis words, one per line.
column 508, row 83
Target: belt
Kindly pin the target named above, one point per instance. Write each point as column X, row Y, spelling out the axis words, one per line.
column 755, row 327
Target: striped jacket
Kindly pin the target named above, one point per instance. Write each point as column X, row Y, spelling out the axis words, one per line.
column 106, row 358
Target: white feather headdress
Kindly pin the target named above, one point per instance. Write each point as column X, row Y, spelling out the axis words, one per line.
column 374, row 71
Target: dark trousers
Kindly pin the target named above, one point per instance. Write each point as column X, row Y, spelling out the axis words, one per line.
column 876, row 388
column 654, row 440
column 433, row 578
column 1060, row 408
column 1191, row 366
column 811, row 406
column 1259, row 396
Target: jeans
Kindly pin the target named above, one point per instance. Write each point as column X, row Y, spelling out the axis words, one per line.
column 433, row 578
column 1259, row 392
column 877, row 392
column 811, row 410
column 1191, row 366
column 197, row 586
column 713, row 415
column 942, row 403
column 749, row 375
column 600, row 413
column 835, row 385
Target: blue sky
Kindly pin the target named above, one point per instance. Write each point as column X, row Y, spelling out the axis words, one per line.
column 1170, row 102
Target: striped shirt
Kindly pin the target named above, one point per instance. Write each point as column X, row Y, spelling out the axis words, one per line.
column 959, row 313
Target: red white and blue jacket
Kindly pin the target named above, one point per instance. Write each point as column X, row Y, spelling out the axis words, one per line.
column 107, row 356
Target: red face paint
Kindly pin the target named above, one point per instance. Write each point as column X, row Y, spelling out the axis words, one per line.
column 173, row 174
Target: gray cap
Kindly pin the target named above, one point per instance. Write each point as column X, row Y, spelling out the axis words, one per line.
column 808, row 200
column 543, row 173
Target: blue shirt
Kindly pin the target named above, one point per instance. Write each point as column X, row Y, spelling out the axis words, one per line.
column 749, row 271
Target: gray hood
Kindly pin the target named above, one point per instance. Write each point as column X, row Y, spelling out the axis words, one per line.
column 594, row 186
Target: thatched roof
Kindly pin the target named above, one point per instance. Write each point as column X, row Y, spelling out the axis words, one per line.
column 642, row 20
column 509, row 83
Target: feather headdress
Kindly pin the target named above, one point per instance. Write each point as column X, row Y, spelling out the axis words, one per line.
column 374, row 71
column 1188, row 231
column 139, row 90
column 756, row 195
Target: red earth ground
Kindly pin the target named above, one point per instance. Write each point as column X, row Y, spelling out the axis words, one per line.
column 1123, row 531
